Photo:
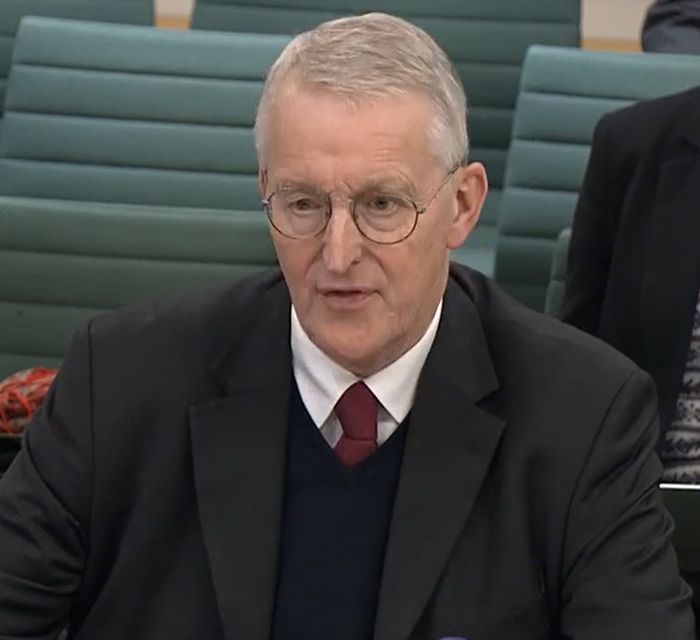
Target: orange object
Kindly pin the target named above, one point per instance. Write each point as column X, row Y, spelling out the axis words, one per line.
column 21, row 395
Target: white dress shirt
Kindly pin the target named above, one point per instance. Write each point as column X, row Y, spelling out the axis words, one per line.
column 321, row 382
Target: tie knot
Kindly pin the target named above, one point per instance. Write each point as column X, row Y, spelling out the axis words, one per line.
column 357, row 412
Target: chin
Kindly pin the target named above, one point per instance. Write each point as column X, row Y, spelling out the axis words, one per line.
column 351, row 350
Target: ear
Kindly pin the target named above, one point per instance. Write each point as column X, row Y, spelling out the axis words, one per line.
column 471, row 193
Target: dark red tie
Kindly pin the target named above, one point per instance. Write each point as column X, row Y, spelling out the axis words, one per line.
column 357, row 412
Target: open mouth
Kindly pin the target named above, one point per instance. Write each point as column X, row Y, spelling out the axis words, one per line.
column 346, row 297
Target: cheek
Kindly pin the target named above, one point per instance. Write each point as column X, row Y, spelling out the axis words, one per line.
column 296, row 262
column 404, row 274
column 415, row 276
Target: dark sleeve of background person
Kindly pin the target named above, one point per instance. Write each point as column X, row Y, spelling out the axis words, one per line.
column 672, row 26
column 593, row 234
column 45, row 509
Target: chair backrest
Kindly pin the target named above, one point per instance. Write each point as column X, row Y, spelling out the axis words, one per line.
column 115, row 113
column 563, row 93
column 11, row 11
column 557, row 275
column 486, row 40
column 62, row 262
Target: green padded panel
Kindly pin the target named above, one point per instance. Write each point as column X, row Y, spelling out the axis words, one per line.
column 6, row 43
column 563, row 94
column 12, row 11
column 125, row 11
column 136, row 115
column 63, row 261
column 478, row 251
column 485, row 39
column 557, row 277
column 10, row 364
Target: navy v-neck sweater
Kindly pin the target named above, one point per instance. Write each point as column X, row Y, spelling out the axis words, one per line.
column 333, row 536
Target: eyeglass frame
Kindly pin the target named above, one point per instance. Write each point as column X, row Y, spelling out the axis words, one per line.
column 420, row 210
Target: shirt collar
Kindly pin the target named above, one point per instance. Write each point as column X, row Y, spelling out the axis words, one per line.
column 321, row 381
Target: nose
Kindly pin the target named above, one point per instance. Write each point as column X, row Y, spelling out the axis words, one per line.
column 342, row 241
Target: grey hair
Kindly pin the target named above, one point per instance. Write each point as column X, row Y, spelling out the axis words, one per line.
column 370, row 57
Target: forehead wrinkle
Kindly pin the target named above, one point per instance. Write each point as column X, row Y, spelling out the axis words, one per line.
column 374, row 182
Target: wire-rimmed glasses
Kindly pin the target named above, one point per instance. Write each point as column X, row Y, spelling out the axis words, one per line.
column 381, row 215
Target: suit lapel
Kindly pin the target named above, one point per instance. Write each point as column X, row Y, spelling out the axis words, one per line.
column 670, row 282
column 239, row 450
column 449, row 448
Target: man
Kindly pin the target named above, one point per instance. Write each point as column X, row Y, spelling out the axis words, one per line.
column 633, row 276
column 370, row 445
column 672, row 26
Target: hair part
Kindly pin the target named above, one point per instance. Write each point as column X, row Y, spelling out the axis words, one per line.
column 364, row 59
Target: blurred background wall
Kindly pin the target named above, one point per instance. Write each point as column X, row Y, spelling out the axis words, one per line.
column 607, row 24
column 612, row 24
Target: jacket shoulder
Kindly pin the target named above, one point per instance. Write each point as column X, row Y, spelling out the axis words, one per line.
column 244, row 294
column 648, row 122
column 521, row 339
column 186, row 328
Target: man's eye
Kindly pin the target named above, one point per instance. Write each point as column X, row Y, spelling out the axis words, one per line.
column 304, row 205
column 382, row 204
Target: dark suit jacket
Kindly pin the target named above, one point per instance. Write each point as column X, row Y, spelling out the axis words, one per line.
column 147, row 499
column 634, row 262
column 672, row 26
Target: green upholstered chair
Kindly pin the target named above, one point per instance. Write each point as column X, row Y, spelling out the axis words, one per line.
column 127, row 170
column 11, row 11
column 486, row 39
column 563, row 93
column 62, row 262
column 137, row 115
column 557, row 276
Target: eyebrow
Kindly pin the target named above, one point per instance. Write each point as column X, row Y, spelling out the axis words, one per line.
column 393, row 182
column 388, row 182
column 293, row 185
